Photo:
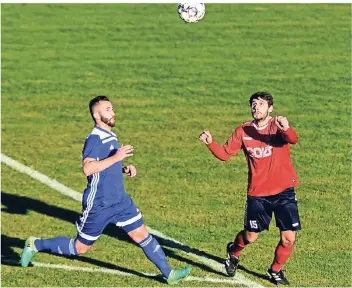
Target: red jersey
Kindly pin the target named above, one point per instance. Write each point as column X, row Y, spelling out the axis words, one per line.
column 267, row 149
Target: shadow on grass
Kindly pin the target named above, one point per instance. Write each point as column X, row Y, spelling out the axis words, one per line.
column 11, row 258
column 21, row 205
column 8, row 255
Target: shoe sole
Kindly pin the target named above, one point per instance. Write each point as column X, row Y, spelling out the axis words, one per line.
column 24, row 264
column 230, row 273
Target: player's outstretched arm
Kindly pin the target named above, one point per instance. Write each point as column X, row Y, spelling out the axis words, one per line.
column 288, row 133
column 217, row 150
column 91, row 165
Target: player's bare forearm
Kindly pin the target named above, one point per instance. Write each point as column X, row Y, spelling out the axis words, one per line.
column 92, row 166
column 218, row 151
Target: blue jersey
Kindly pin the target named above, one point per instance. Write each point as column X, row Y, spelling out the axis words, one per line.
column 106, row 187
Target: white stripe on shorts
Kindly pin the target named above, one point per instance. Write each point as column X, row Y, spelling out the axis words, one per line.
column 90, row 199
column 87, row 237
column 129, row 221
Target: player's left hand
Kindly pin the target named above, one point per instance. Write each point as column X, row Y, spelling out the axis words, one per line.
column 130, row 170
column 282, row 123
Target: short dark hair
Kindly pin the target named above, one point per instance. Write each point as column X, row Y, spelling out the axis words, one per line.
column 264, row 95
column 95, row 101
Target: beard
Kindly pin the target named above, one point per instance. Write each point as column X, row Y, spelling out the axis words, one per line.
column 260, row 116
column 110, row 122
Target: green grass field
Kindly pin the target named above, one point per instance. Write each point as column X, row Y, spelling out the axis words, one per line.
column 168, row 81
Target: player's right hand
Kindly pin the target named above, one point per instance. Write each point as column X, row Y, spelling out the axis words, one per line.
column 282, row 123
column 124, row 152
column 205, row 137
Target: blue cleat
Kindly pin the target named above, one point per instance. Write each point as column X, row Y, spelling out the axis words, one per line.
column 29, row 251
column 177, row 275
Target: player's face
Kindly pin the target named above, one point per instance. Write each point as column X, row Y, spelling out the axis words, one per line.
column 260, row 109
column 106, row 112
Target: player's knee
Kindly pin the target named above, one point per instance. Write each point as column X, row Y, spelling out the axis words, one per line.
column 288, row 241
column 251, row 237
column 81, row 248
column 139, row 234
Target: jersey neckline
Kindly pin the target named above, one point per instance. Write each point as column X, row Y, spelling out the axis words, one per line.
column 104, row 130
column 263, row 127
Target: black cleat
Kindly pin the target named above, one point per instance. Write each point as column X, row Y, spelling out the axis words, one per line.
column 231, row 262
column 278, row 277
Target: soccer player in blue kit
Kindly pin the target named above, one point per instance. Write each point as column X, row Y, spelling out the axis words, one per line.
column 105, row 200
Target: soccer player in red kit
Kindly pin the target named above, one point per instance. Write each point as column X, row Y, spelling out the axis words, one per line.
column 265, row 142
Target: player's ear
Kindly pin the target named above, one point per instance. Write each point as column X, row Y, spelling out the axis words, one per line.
column 95, row 112
column 271, row 108
column 96, row 116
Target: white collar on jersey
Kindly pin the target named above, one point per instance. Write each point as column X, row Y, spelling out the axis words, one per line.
column 259, row 128
column 104, row 130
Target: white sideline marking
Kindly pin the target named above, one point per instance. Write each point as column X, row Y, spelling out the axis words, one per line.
column 239, row 279
column 41, row 177
column 120, row 273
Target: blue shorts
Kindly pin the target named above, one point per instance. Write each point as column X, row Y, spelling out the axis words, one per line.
column 258, row 212
column 92, row 222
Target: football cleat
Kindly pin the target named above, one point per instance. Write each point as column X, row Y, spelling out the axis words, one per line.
column 177, row 275
column 277, row 277
column 231, row 262
column 29, row 251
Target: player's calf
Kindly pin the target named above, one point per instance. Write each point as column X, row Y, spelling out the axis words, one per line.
column 81, row 248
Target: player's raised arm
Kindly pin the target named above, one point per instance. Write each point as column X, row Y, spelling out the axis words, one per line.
column 222, row 152
column 288, row 133
column 91, row 165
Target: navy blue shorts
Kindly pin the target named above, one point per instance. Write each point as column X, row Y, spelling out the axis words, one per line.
column 259, row 210
column 92, row 222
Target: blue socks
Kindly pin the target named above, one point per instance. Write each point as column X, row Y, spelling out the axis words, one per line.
column 60, row 245
column 155, row 253
column 66, row 246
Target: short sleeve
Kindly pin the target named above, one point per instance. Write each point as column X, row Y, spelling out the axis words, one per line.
column 92, row 147
column 234, row 143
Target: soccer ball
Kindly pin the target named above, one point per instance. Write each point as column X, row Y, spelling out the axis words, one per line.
column 191, row 12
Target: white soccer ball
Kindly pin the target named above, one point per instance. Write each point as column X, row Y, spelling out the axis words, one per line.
column 191, row 12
